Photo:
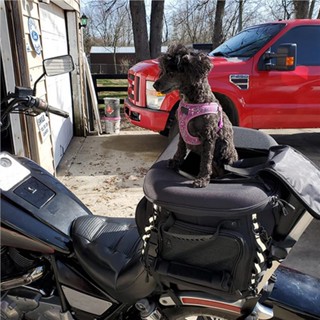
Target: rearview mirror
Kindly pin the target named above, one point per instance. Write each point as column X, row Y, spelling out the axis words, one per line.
column 285, row 58
column 58, row 65
column 55, row 66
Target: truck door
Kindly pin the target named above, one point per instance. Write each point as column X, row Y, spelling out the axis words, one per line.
column 289, row 99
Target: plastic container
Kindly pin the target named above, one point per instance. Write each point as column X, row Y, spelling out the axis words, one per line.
column 110, row 122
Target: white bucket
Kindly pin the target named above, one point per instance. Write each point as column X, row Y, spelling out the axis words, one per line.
column 111, row 126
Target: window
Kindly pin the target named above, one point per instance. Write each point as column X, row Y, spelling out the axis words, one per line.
column 248, row 42
column 307, row 39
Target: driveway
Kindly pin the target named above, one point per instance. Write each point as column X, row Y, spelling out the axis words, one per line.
column 106, row 172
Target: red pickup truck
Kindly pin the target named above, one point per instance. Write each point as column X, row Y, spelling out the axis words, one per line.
column 265, row 77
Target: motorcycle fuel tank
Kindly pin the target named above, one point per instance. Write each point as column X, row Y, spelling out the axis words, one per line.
column 35, row 204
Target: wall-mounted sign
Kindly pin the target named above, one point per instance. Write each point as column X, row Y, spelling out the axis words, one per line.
column 43, row 126
column 34, row 36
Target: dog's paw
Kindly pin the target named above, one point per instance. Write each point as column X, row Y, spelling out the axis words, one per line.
column 173, row 164
column 201, row 182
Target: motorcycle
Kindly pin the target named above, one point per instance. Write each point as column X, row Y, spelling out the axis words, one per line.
column 59, row 261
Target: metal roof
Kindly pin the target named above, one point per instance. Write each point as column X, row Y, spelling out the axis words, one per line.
column 118, row 49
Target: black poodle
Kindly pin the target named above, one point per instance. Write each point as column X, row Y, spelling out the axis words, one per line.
column 203, row 126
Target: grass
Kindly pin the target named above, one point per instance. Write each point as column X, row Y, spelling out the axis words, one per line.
column 125, row 124
column 112, row 82
column 112, row 94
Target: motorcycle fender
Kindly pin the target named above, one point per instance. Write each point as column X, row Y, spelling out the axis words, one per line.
column 296, row 294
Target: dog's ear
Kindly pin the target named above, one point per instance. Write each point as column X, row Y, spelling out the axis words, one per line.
column 196, row 64
column 183, row 62
column 165, row 60
column 206, row 62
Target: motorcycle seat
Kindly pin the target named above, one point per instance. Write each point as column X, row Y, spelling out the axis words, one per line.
column 109, row 250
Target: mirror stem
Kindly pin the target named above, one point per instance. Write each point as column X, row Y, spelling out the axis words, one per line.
column 35, row 84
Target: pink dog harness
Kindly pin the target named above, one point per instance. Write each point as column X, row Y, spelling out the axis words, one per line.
column 188, row 111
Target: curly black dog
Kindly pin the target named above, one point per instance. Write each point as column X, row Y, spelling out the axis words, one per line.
column 204, row 128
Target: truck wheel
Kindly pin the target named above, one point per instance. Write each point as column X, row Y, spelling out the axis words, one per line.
column 228, row 108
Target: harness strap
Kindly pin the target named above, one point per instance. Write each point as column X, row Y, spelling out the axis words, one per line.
column 188, row 111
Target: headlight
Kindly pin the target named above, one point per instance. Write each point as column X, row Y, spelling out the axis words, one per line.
column 154, row 98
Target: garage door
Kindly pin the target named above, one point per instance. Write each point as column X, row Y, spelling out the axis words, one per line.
column 54, row 43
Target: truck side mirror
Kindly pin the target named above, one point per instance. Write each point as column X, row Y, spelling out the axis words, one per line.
column 285, row 58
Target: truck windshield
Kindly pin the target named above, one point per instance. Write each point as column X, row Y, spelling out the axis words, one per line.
column 248, row 42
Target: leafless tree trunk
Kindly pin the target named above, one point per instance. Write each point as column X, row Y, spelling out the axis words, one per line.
column 156, row 26
column 318, row 16
column 139, row 27
column 312, row 4
column 217, row 32
column 301, row 8
column 240, row 15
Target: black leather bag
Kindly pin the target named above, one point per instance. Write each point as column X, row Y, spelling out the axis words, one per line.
column 291, row 169
column 219, row 239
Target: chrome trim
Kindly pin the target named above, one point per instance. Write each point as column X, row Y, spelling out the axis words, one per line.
column 66, row 316
column 26, row 279
column 166, row 300
column 262, row 312
column 294, row 234
column 240, row 80
column 85, row 302
column 300, row 226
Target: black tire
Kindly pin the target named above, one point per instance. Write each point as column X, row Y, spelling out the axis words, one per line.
column 197, row 313
column 229, row 108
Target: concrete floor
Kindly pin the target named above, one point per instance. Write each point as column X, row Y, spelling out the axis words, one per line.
column 106, row 172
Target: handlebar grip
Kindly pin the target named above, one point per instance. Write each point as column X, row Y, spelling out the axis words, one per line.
column 45, row 107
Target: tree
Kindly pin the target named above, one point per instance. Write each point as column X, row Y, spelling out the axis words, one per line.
column 139, row 27
column 109, row 23
column 192, row 21
column 240, row 15
column 217, row 30
column 156, row 27
column 124, row 22
column 312, row 4
column 147, row 49
column 301, row 8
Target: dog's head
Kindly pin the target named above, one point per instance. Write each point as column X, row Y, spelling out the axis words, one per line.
column 180, row 67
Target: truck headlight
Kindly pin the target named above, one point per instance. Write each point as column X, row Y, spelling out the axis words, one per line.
column 154, row 98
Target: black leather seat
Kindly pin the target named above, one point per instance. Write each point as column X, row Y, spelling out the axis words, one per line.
column 109, row 250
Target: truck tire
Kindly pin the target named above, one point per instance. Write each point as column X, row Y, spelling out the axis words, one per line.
column 229, row 108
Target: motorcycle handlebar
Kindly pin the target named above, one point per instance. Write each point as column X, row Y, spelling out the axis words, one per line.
column 43, row 106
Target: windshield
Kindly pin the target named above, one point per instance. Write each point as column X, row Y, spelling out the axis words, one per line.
column 247, row 42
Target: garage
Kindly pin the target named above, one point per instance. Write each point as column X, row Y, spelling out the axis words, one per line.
column 36, row 30
column 55, row 43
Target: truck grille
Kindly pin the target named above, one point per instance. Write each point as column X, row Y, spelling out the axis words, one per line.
column 133, row 88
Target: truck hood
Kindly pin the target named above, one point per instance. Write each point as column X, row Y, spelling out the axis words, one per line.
column 149, row 69
column 229, row 65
